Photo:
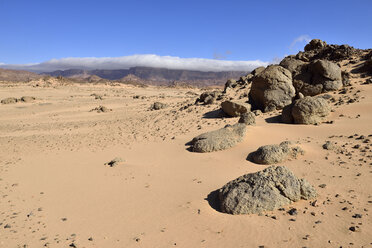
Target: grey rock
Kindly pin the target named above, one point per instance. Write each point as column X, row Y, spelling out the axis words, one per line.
column 9, row 100
column 158, row 106
column 27, row 98
column 248, row 118
column 294, row 65
column 329, row 145
column 220, row 139
column 235, row 108
column 257, row 112
column 258, row 70
column 101, row 109
column 266, row 190
column 310, row 110
column 272, row 88
column 315, row 44
column 307, row 110
column 272, row 154
column 208, row 97
column 230, row 83
column 326, row 73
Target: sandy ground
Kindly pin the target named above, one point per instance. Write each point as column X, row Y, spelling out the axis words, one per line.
column 56, row 191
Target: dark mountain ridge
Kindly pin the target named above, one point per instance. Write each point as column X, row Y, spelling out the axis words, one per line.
column 152, row 74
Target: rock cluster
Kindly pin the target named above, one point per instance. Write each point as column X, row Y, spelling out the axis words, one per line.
column 209, row 97
column 266, row 190
column 313, row 78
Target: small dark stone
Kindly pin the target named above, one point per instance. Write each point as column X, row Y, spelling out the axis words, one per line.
column 322, row 185
column 292, row 211
column 357, row 216
column 352, row 228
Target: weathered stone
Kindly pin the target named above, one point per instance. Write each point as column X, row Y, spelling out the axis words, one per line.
column 234, row 108
column 272, row 88
column 326, row 73
column 266, row 190
column 272, row 154
column 307, row 110
column 315, row 44
column 220, row 139
column 9, row 100
column 208, row 97
column 101, row 109
column 27, row 98
column 248, row 118
column 310, row 110
column 158, row 106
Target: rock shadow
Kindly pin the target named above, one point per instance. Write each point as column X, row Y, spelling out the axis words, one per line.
column 213, row 201
column 215, row 114
column 274, row 119
column 189, row 146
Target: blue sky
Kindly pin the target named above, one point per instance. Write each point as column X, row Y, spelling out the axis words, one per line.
column 37, row 31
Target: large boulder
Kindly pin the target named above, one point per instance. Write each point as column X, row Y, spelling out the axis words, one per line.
column 220, row 139
column 308, row 110
column 326, row 73
column 235, row 108
column 313, row 78
column 272, row 88
column 266, row 190
column 272, row 154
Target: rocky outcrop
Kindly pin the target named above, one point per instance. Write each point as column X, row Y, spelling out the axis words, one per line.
column 317, row 49
column 314, row 77
column 308, row 110
column 220, row 139
column 235, row 108
column 272, row 88
column 266, row 190
column 272, row 154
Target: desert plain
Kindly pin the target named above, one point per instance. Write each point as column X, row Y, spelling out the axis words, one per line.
column 58, row 190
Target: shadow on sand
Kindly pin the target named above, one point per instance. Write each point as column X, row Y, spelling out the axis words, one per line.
column 274, row 119
column 215, row 114
column 213, row 201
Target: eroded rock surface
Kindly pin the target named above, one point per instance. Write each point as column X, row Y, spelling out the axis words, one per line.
column 266, row 190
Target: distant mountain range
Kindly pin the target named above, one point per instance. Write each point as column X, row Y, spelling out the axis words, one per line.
column 17, row 75
column 143, row 75
column 152, row 75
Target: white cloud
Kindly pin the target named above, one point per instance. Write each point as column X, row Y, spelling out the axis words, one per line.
column 300, row 39
column 148, row 60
